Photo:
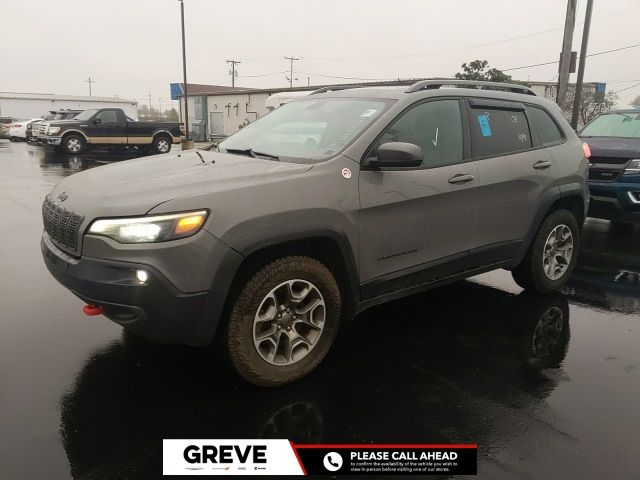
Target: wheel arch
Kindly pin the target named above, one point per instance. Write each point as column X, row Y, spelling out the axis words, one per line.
column 570, row 198
column 73, row 130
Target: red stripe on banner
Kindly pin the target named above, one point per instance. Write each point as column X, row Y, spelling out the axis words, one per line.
column 390, row 445
column 293, row 447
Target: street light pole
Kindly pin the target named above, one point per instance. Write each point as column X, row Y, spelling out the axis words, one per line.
column 583, row 60
column 184, row 75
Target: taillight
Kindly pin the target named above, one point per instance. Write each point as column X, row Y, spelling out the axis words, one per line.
column 17, row 125
column 587, row 150
column 182, row 129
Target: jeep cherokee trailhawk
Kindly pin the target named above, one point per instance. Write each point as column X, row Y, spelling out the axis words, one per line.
column 327, row 206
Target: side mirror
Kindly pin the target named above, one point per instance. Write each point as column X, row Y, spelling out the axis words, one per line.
column 397, row 154
column 97, row 121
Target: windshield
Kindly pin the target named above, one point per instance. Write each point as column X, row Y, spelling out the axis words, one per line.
column 617, row 124
column 311, row 129
column 87, row 114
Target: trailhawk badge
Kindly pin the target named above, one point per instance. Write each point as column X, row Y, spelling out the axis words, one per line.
column 346, row 173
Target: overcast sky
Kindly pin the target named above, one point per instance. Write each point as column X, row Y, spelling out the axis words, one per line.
column 132, row 47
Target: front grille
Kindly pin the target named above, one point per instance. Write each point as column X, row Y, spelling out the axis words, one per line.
column 604, row 175
column 61, row 224
column 609, row 160
column 42, row 130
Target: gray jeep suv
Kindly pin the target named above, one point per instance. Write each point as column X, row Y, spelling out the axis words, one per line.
column 322, row 208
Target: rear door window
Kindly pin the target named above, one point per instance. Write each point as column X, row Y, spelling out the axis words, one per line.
column 498, row 131
column 546, row 127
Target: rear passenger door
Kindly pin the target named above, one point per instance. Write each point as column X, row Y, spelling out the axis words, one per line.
column 515, row 172
column 417, row 223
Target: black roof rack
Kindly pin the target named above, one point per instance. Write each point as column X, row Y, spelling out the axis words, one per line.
column 335, row 88
column 436, row 84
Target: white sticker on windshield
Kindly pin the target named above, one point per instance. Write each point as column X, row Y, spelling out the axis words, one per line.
column 369, row 113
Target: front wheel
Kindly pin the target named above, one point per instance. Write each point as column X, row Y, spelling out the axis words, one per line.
column 283, row 322
column 552, row 256
column 73, row 144
column 161, row 144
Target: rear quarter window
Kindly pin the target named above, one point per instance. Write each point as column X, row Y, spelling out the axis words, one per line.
column 544, row 125
column 497, row 132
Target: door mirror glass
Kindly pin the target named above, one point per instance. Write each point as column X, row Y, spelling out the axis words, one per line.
column 97, row 121
column 397, row 154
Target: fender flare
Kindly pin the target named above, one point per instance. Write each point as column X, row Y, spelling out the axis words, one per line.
column 74, row 130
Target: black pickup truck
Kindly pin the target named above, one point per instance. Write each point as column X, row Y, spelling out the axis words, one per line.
column 110, row 127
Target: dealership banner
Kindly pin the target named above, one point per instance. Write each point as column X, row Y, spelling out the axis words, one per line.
column 282, row 457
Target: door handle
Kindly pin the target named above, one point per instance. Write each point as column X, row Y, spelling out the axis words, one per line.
column 541, row 164
column 461, row 178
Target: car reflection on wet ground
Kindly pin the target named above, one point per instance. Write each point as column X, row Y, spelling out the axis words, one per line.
column 548, row 386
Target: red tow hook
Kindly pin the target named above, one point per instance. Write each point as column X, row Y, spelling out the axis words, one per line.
column 92, row 310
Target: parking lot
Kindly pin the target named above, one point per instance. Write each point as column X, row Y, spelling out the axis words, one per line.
column 546, row 385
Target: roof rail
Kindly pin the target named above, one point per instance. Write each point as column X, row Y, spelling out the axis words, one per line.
column 336, row 88
column 436, row 84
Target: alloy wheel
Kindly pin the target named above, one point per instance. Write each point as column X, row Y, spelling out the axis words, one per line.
column 558, row 250
column 289, row 322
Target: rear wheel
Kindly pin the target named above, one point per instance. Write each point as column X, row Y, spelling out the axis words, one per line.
column 283, row 322
column 73, row 144
column 552, row 256
column 161, row 144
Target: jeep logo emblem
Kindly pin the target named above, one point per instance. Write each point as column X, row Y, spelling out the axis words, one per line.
column 63, row 196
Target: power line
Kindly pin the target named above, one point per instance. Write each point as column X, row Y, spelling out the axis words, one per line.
column 344, row 78
column 627, row 88
column 556, row 61
column 263, row 74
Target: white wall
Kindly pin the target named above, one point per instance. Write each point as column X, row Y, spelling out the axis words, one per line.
column 33, row 108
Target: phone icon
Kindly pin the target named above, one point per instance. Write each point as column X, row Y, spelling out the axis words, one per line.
column 332, row 461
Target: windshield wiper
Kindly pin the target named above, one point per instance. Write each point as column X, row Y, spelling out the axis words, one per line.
column 251, row 153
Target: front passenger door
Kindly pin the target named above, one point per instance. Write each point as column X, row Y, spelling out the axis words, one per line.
column 106, row 128
column 417, row 223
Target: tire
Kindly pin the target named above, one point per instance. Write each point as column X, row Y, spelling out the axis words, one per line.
column 32, row 139
column 530, row 274
column 73, row 144
column 264, row 295
column 161, row 144
column 13, row 139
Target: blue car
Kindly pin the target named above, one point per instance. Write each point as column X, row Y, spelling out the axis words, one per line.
column 614, row 174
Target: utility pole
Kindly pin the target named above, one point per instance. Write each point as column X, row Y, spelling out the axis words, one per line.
column 186, row 144
column 232, row 72
column 149, row 102
column 583, row 60
column 89, row 81
column 564, row 68
column 291, row 59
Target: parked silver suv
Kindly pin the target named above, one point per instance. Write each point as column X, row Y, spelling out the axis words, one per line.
column 323, row 208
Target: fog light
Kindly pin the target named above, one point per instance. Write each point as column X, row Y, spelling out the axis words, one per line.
column 142, row 276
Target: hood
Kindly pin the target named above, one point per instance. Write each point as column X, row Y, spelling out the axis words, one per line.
column 613, row 147
column 133, row 187
column 62, row 123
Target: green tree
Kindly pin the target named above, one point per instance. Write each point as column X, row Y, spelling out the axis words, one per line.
column 479, row 70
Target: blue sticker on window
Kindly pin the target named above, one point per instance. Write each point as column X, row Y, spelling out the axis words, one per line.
column 485, row 127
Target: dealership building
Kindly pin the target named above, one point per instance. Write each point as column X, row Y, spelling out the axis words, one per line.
column 34, row 105
column 217, row 111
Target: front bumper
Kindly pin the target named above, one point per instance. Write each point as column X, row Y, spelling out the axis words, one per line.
column 45, row 140
column 612, row 201
column 155, row 309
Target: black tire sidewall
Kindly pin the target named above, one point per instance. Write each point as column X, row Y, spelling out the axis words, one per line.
column 239, row 340
column 539, row 279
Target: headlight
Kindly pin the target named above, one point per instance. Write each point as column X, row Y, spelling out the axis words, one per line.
column 634, row 166
column 156, row 228
column 53, row 130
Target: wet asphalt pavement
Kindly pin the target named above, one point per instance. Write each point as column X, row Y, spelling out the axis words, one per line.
column 548, row 386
